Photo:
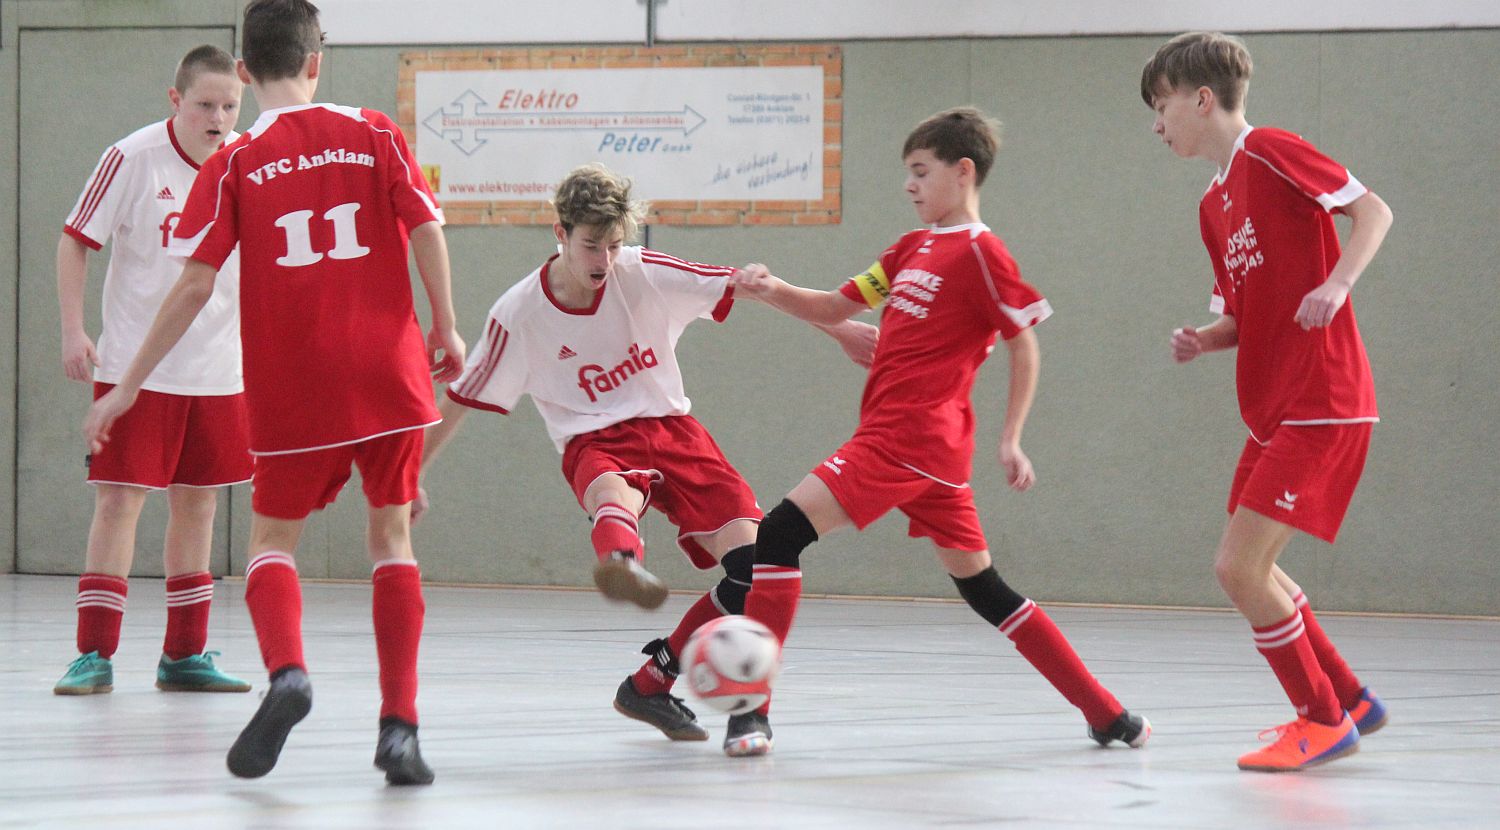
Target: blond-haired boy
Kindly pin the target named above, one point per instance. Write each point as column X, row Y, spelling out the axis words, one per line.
column 1281, row 288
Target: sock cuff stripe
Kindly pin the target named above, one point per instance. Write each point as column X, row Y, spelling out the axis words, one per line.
column 1300, row 600
column 271, row 558
column 95, row 581
column 1276, row 631
column 1017, row 618
column 388, row 563
column 114, row 602
column 190, row 596
column 189, row 580
column 612, row 509
column 1268, row 644
column 762, row 572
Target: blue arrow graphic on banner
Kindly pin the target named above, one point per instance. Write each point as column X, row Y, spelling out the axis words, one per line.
column 465, row 121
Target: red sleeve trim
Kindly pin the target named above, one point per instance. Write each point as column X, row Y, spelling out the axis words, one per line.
column 473, row 404
column 726, row 304
column 81, row 237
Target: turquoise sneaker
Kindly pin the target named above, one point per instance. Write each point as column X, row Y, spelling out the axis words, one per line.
column 90, row 674
column 196, row 673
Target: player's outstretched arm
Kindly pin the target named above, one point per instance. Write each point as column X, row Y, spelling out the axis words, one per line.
column 445, row 349
column 78, row 355
column 438, row 435
column 1189, row 342
column 1025, row 366
column 827, row 307
column 182, row 304
column 1370, row 219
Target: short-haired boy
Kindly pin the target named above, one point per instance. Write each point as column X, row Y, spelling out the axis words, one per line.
column 188, row 434
column 321, row 200
column 948, row 290
column 591, row 336
column 1281, row 288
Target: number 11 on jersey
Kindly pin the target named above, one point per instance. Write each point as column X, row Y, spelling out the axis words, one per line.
column 298, row 227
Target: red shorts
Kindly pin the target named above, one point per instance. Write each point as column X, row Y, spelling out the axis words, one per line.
column 292, row 485
column 191, row 440
column 675, row 463
column 867, row 483
column 1305, row 477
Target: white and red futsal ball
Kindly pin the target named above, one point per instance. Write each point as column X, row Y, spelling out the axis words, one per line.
column 730, row 663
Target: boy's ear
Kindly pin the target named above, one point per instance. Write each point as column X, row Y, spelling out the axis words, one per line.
column 314, row 65
column 175, row 97
column 559, row 232
column 242, row 72
column 1206, row 100
column 966, row 167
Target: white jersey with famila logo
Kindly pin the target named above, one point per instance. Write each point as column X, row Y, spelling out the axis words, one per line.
column 590, row 368
column 132, row 201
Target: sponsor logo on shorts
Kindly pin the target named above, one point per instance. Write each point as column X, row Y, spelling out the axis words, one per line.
column 1288, row 501
column 836, row 464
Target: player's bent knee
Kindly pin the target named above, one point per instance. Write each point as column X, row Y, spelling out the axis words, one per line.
column 989, row 596
column 729, row 594
column 784, row 533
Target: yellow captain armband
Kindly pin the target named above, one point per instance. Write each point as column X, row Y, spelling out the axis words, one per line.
column 873, row 285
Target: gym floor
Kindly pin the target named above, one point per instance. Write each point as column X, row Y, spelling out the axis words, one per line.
column 890, row 714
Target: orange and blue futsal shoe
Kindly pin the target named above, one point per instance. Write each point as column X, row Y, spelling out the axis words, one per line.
column 1369, row 714
column 1302, row 744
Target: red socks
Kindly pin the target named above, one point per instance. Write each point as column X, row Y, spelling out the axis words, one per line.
column 649, row 679
column 1346, row 685
column 1286, row 647
column 398, row 610
column 188, row 599
column 101, row 606
column 615, row 528
column 1039, row 640
column 274, row 598
column 774, row 593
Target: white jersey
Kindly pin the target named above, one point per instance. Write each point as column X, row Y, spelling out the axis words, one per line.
column 587, row 369
column 133, row 200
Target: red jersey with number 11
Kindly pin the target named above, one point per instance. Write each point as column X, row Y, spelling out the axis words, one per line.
column 319, row 199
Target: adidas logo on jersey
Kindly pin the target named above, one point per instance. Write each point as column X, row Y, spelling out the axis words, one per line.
column 165, row 193
column 564, row 353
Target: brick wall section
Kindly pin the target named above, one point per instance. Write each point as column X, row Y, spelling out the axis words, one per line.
column 827, row 211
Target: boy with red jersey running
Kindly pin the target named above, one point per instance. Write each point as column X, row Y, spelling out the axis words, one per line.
column 1281, row 288
column 948, row 290
column 188, row 435
column 591, row 336
column 321, row 200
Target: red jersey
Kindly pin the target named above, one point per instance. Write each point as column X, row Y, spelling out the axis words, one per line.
column 319, row 199
column 1266, row 221
column 947, row 292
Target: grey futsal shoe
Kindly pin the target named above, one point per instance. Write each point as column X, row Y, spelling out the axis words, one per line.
column 748, row 734
column 620, row 577
column 259, row 745
column 399, row 755
column 1128, row 729
column 662, row 711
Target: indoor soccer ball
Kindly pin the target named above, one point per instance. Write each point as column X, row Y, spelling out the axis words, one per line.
column 729, row 663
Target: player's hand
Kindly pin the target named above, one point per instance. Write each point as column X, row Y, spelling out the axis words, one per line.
column 754, row 280
column 79, row 357
column 419, row 505
column 103, row 414
column 451, row 364
column 1019, row 473
column 1321, row 304
column 858, row 341
column 1186, row 344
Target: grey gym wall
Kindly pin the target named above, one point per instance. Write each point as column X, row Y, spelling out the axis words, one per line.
column 1134, row 453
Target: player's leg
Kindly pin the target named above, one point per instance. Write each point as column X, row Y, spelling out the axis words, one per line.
column 389, row 467
column 185, row 666
column 614, row 502
column 1041, row 642
column 1367, row 710
column 646, row 695
column 102, row 588
column 287, row 489
column 1322, row 731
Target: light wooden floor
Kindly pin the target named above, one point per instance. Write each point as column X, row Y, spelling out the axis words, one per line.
column 889, row 715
